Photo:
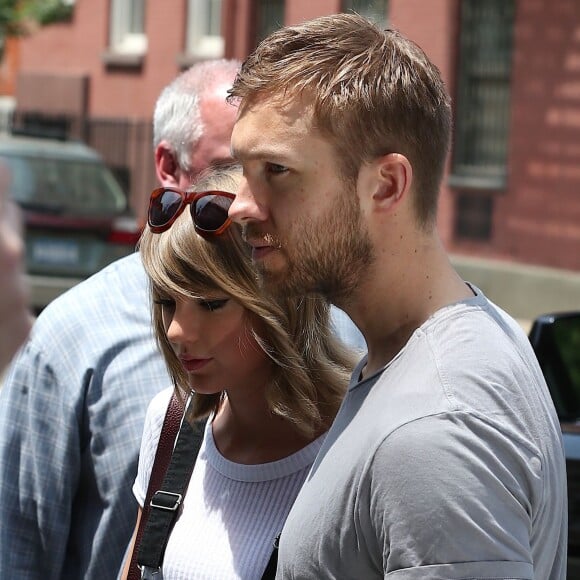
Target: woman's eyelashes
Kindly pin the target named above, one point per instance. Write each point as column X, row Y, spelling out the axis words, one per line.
column 167, row 307
column 204, row 303
column 212, row 305
column 165, row 302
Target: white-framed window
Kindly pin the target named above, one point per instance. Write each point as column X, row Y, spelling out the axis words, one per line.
column 482, row 107
column 128, row 27
column 479, row 168
column 204, row 29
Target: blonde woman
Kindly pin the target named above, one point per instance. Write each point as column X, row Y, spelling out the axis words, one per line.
column 267, row 372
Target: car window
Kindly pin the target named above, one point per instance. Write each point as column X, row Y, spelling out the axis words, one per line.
column 62, row 185
column 559, row 356
column 567, row 337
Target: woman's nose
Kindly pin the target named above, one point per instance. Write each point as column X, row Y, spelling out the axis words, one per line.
column 183, row 327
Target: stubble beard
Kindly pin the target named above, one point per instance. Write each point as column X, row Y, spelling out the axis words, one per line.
column 326, row 256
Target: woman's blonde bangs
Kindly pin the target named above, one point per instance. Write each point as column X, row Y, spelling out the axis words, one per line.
column 167, row 258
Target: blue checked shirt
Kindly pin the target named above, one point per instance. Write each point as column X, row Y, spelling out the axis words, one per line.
column 72, row 410
column 71, row 416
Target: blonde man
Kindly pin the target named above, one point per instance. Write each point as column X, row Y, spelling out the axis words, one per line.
column 446, row 459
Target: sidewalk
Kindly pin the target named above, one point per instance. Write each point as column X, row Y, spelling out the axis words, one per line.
column 523, row 291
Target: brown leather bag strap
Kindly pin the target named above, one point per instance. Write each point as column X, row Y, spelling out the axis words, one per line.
column 163, row 454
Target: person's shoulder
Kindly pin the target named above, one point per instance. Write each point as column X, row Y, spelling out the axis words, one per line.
column 457, row 440
column 126, row 272
column 346, row 330
column 156, row 411
column 116, row 286
column 158, row 404
column 477, row 324
column 104, row 310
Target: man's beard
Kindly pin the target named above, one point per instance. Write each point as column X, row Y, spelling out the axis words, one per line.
column 326, row 256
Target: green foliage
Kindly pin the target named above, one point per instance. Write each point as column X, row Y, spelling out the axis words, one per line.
column 47, row 12
column 17, row 16
column 11, row 18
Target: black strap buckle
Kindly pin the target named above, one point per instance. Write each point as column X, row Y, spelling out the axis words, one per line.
column 166, row 500
column 148, row 573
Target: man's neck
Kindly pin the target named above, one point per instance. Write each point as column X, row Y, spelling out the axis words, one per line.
column 397, row 295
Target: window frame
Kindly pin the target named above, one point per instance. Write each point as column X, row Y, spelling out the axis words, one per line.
column 483, row 98
column 200, row 41
column 127, row 46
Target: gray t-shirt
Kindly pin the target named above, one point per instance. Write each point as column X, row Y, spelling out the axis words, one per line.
column 446, row 464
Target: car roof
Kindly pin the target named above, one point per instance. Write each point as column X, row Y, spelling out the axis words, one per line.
column 44, row 147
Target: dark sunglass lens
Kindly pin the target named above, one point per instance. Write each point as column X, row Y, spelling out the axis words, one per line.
column 210, row 212
column 164, row 207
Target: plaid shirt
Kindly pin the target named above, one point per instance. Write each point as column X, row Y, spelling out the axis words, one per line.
column 72, row 410
column 71, row 417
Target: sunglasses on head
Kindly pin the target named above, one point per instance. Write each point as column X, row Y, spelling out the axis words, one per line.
column 209, row 210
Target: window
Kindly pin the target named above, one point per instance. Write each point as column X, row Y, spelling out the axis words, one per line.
column 474, row 215
column 270, row 17
column 483, row 94
column 59, row 182
column 128, row 27
column 203, row 34
column 374, row 9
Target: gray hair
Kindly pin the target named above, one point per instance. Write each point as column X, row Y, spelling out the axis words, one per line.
column 177, row 116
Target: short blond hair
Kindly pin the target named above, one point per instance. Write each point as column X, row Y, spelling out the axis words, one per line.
column 373, row 91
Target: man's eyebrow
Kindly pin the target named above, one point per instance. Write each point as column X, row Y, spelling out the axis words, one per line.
column 274, row 154
column 222, row 162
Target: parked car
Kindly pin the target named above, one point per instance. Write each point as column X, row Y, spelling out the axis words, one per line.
column 75, row 212
column 556, row 341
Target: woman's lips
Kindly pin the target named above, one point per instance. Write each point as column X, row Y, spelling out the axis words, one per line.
column 194, row 364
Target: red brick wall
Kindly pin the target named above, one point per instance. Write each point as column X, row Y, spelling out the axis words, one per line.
column 240, row 25
column 433, row 26
column 538, row 217
column 9, row 67
column 300, row 10
column 77, row 48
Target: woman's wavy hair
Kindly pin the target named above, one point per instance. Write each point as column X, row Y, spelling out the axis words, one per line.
column 310, row 367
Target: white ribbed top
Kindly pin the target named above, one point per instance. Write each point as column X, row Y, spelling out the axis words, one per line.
column 231, row 512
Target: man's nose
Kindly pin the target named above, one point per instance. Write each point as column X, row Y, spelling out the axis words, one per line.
column 245, row 206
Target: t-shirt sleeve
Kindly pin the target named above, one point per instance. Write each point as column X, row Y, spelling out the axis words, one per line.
column 149, row 441
column 456, row 502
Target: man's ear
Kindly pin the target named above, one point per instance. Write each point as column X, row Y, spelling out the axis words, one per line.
column 394, row 175
column 166, row 166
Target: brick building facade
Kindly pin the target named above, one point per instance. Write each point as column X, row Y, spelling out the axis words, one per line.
column 512, row 189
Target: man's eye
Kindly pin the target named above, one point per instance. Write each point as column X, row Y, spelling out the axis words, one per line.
column 275, row 168
column 212, row 305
